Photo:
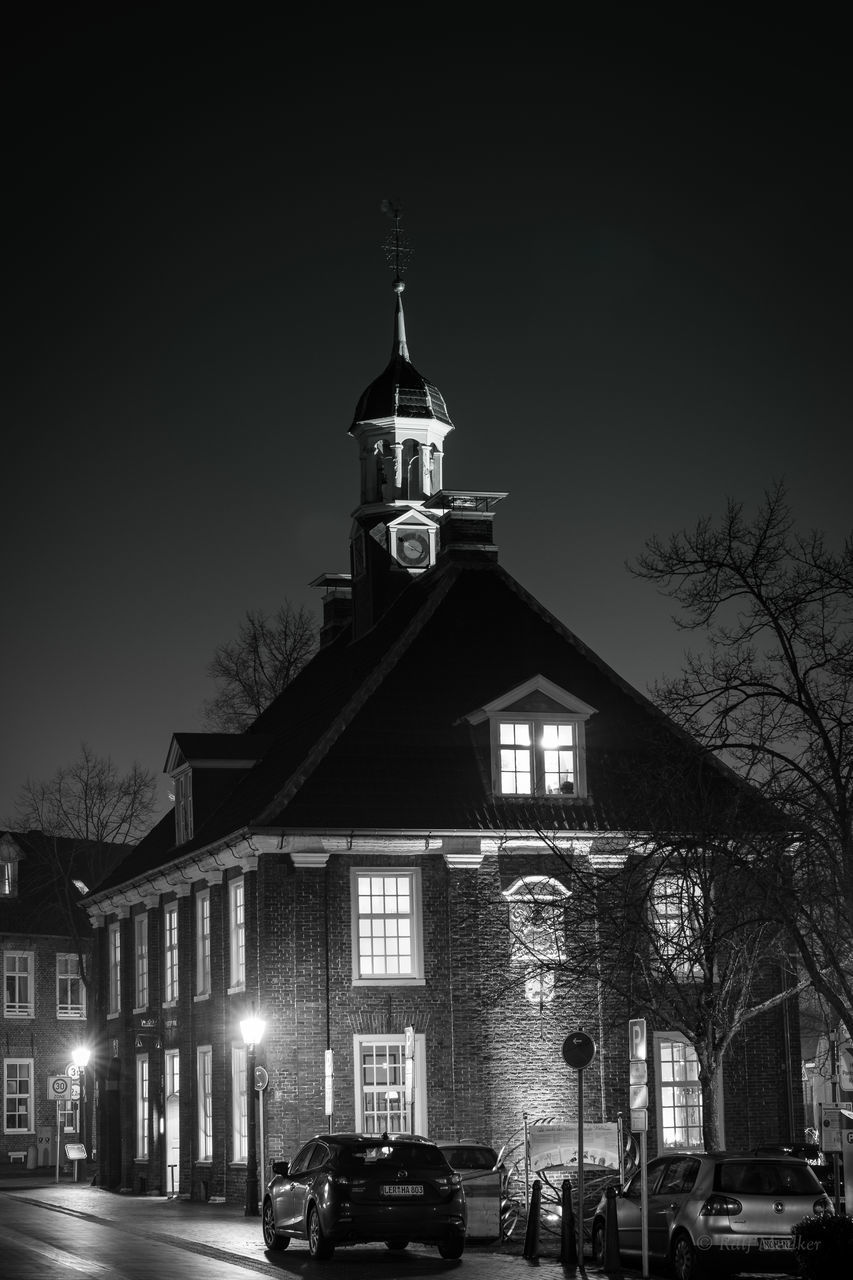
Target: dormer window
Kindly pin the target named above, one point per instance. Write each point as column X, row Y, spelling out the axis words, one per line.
column 183, row 806
column 8, row 879
column 538, row 741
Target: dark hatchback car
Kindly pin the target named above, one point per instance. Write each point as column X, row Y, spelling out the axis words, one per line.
column 709, row 1214
column 351, row 1188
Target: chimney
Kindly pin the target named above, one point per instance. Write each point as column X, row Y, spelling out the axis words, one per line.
column 465, row 525
column 337, row 604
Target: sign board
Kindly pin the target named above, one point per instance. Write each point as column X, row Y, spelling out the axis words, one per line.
column 72, row 1071
column 638, row 1073
column 555, row 1146
column 262, row 1078
column 637, row 1039
column 578, row 1049
column 75, row 1151
column 640, row 1121
column 639, row 1097
column 329, row 1079
column 58, row 1088
column 830, row 1129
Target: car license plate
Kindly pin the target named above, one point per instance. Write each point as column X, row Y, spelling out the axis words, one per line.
column 403, row 1189
column 776, row 1242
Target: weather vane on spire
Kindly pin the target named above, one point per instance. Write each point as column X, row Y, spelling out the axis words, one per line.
column 396, row 246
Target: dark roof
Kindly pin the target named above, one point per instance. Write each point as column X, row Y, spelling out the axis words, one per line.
column 47, row 872
column 400, row 391
column 373, row 734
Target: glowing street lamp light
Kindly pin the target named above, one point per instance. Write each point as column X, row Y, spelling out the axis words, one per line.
column 252, row 1030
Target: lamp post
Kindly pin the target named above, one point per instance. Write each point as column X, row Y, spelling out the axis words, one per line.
column 252, row 1029
column 80, row 1057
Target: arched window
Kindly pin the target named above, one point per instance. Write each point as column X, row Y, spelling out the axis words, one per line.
column 537, row 925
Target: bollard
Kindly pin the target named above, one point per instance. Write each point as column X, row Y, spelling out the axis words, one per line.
column 568, row 1240
column 610, row 1260
column 531, row 1234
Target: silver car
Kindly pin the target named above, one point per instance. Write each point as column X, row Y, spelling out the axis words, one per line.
column 717, row 1212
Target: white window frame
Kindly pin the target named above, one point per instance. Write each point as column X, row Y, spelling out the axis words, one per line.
column 183, row 806
column 363, row 1043
column 141, row 971
column 204, row 1076
column 535, row 706
column 19, row 968
column 170, row 954
column 66, row 1005
column 114, row 969
column 142, row 1106
column 365, row 924
column 537, row 924
column 237, row 933
column 239, row 1105
column 671, row 1094
column 202, row 944
column 18, row 1095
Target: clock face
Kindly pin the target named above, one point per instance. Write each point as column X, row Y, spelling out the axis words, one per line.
column 413, row 548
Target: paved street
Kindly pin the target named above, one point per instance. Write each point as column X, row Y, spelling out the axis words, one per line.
column 59, row 1230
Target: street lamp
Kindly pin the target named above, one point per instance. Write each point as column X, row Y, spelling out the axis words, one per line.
column 80, row 1057
column 252, row 1029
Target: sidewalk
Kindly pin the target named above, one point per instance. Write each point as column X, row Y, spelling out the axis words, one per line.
column 224, row 1229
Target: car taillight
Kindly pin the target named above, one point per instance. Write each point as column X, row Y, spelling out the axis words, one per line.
column 822, row 1205
column 342, row 1181
column 715, row 1205
column 447, row 1181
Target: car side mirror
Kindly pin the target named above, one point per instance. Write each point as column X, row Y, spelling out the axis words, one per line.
column 280, row 1168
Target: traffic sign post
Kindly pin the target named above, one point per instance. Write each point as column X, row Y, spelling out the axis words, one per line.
column 578, row 1052
column 638, row 1093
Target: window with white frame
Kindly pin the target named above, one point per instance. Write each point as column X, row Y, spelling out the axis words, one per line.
column 537, row 925
column 386, row 923
column 239, row 1108
column 183, row 806
column 237, row 923
column 679, row 1093
column 677, row 914
column 140, row 951
column 18, row 984
column 202, row 943
column 537, row 740
column 114, row 968
column 142, row 1110
column 18, row 1107
column 70, row 992
column 170, row 953
column 381, row 1105
column 204, row 1071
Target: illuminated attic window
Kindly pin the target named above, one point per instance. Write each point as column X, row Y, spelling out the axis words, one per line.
column 538, row 743
column 8, row 878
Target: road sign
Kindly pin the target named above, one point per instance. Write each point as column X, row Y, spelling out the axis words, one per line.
column 640, row 1121
column 639, row 1097
column 261, row 1078
column 72, row 1071
column 638, row 1073
column 637, row 1039
column 578, row 1049
column 58, row 1088
column 830, row 1129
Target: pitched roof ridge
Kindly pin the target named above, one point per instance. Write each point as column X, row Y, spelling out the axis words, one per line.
column 364, row 690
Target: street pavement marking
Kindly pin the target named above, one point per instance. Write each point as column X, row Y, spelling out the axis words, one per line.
column 60, row 1257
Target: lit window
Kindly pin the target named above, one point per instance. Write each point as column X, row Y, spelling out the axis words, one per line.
column 538, row 740
column 8, row 878
column 70, row 992
column 170, row 952
column 677, row 911
column 680, row 1094
column 537, row 926
column 114, row 969
column 18, row 1096
column 205, row 1102
column 142, row 1106
column 380, row 1084
column 386, row 926
column 18, row 993
column 239, row 1111
column 202, row 943
column 183, row 806
column 237, row 919
column 140, row 944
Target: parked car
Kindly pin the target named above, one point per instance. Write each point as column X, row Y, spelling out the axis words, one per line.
column 723, row 1211
column 469, row 1158
column 348, row 1188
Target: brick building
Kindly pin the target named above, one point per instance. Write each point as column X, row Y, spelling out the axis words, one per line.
column 376, row 867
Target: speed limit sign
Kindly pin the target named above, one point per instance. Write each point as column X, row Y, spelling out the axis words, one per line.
column 58, row 1087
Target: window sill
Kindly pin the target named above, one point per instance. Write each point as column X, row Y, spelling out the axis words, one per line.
column 170, row 1004
column 238, row 990
column 113, row 1014
column 389, row 982
column 204, row 995
column 140, row 1008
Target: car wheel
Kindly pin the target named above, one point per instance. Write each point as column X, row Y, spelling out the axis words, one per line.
column 396, row 1244
column 598, row 1242
column 272, row 1240
column 686, row 1263
column 452, row 1246
column 318, row 1245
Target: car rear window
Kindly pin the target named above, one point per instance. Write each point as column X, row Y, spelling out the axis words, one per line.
column 765, row 1178
column 367, row 1154
column 464, row 1157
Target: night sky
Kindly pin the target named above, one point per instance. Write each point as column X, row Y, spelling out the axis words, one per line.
column 631, row 280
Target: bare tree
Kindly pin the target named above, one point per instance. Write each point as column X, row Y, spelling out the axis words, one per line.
column 77, row 826
column 253, row 669
column 771, row 691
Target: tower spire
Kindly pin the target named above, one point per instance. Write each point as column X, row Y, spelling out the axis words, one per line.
column 397, row 254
